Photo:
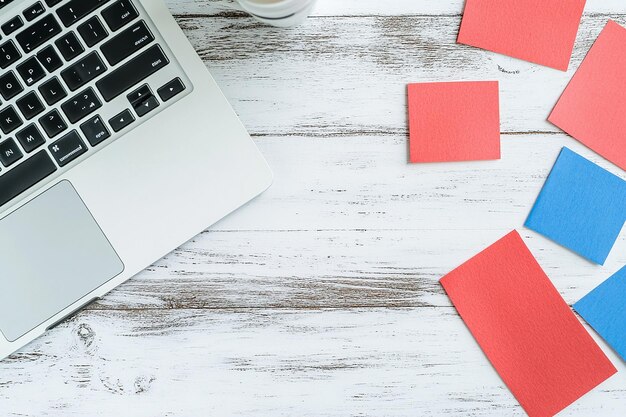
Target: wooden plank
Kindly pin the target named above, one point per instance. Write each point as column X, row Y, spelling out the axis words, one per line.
column 371, row 7
column 333, row 269
column 392, row 362
column 366, row 183
column 351, row 80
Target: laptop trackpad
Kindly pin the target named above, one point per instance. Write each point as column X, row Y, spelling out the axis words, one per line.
column 52, row 253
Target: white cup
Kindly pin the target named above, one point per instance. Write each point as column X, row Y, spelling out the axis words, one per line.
column 281, row 13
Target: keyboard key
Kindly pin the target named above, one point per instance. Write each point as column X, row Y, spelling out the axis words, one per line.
column 30, row 138
column 171, row 89
column 50, row 59
column 5, row 3
column 75, row 10
column 92, row 31
column 30, row 105
column 68, row 148
column 31, row 71
column 25, row 175
column 127, row 43
column 52, row 91
column 53, row 123
column 95, row 131
column 132, row 72
column 52, row 3
column 38, row 33
column 81, row 105
column 34, row 11
column 69, row 46
column 9, row 152
column 119, row 14
column 146, row 106
column 10, row 120
column 10, row 86
column 12, row 25
column 83, row 71
column 122, row 120
column 139, row 94
column 8, row 54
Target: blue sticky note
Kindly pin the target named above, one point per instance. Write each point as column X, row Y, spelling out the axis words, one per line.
column 581, row 207
column 605, row 310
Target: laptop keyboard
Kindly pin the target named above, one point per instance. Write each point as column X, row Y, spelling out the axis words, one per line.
column 75, row 75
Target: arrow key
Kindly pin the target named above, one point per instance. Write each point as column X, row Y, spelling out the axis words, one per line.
column 146, row 106
column 136, row 97
column 122, row 120
column 171, row 89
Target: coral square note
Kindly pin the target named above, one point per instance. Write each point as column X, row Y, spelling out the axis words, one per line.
column 454, row 121
column 535, row 342
column 539, row 31
column 592, row 108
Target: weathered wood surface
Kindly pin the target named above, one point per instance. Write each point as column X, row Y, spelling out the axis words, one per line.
column 347, row 75
column 321, row 296
column 270, row 362
column 372, row 7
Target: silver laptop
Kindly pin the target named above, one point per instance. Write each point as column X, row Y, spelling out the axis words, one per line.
column 116, row 146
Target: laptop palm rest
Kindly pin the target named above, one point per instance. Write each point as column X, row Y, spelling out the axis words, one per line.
column 52, row 254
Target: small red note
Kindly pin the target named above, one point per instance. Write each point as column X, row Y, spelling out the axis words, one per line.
column 530, row 335
column 539, row 31
column 455, row 121
column 592, row 108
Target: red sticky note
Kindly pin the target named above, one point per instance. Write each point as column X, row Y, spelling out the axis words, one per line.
column 455, row 121
column 539, row 31
column 592, row 108
column 530, row 335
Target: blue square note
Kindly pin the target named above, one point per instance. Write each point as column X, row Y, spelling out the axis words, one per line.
column 605, row 310
column 581, row 206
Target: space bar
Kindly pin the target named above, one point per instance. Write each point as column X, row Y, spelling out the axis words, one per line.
column 25, row 175
column 132, row 72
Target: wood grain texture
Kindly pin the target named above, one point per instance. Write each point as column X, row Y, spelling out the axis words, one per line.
column 326, row 8
column 359, row 362
column 347, row 75
column 320, row 298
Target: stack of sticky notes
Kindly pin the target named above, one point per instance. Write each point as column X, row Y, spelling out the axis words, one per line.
column 530, row 335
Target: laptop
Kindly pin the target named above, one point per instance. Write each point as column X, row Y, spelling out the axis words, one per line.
column 116, row 147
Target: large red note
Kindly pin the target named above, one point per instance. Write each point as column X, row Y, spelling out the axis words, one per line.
column 539, row 31
column 593, row 106
column 530, row 335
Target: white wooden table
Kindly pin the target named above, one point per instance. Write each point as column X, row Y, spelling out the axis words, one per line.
column 321, row 298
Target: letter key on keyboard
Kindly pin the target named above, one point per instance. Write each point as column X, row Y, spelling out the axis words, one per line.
column 9, row 152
